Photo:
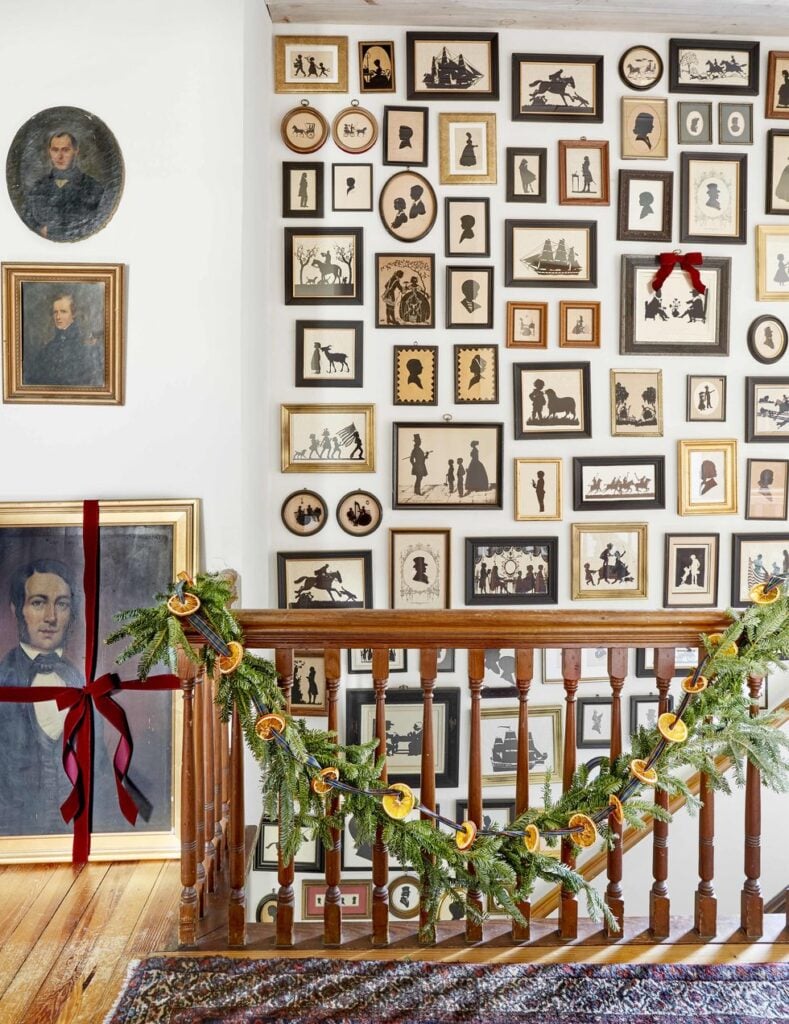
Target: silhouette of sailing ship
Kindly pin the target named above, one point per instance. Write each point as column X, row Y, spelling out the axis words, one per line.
column 550, row 261
column 504, row 756
column 451, row 72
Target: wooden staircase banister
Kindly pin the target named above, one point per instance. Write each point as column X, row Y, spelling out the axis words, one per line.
column 475, row 630
column 633, row 836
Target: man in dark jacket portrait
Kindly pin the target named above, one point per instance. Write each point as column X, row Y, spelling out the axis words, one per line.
column 68, row 358
column 63, row 205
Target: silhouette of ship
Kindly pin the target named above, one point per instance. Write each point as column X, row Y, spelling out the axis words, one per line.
column 451, row 72
column 548, row 260
column 504, row 756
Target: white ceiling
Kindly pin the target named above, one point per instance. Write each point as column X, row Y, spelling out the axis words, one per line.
column 744, row 18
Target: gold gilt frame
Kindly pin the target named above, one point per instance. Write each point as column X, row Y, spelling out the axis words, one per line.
column 54, row 278
column 57, row 517
column 281, row 43
column 292, row 459
column 554, row 712
column 521, row 517
column 686, row 506
column 608, row 593
column 446, row 177
column 763, row 290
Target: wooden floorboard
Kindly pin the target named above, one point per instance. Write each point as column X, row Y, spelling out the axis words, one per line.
column 70, row 934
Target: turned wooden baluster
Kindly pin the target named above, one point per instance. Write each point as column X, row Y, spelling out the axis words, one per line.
column 208, row 782
column 332, row 907
column 751, row 902
column 225, row 752
column 617, row 673
column 380, row 854
column 428, row 660
column 476, row 673
column 187, row 918
column 524, row 673
column 659, row 903
column 286, row 899
column 219, row 833
column 571, row 672
column 706, row 905
column 200, row 792
column 236, row 854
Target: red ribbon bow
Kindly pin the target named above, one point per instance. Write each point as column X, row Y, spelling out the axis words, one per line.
column 687, row 261
column 78, row 727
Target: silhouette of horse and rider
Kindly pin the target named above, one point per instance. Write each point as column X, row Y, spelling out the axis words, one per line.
column 326, row 580
column 556, row 84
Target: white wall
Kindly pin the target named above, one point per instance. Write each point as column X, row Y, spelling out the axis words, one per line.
column 378, row 345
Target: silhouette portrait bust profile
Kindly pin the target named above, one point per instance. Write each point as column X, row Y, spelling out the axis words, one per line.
column 713, row 196
column 645, row 200
column 709, row 476
column 643, row 128
column 470, row 291
column 420, row 570
column 405, row 134
column 417, row 206
column 415, row 370
column 467, row 222
column 400, row 216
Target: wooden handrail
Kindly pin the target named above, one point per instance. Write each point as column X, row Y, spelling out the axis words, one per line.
column 595, row 865
column 476, row 630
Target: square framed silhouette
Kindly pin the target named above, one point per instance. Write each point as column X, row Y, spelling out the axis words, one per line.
column 691, row 570
column 609, row 560
column 767, row 409
column 526, row 170
column 500, row 744
column 646, row 205
column 644, row 708
column 351, row 187
column 527, row 325
column 469, row 297
column 323, row 266
column 756, row 558
column 552, row 400
column 579, row 324
column 593, row 723
column 467, row 227
column 329, row 353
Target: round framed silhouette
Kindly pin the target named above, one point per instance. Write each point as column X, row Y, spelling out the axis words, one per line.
column 407, row 206
column 354, row 129
column 767, row 339
column 359, row 513
column 304, row 129
column 64, row 173
column 404, row 896
column 304, row 513
column 640, row 68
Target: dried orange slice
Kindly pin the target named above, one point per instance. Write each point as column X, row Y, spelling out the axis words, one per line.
column 759, row 594
column 318, row 784
column 589, row 834
column 400, row 804
column 646, row 775
column 229, row 662
column 689, row 685
column 188, row 606
column 728, row 650
column 531, row 838
column 466, row 836
column 617, row 813
column 267, row 725
column 672, row 728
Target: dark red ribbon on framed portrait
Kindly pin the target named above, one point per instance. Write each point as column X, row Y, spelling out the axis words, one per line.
column 79, row 705
column 688, row 261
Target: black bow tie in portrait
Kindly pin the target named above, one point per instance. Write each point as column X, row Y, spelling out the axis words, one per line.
column 52, row 662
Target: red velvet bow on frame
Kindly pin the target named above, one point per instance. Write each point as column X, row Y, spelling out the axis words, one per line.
column 78, row 727
column 687, row 261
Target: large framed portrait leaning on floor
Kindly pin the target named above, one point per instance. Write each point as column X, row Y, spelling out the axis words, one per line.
column 142, row 546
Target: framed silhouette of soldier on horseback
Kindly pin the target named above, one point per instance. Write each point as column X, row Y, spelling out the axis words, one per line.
column 557, row 87
column 324, row 579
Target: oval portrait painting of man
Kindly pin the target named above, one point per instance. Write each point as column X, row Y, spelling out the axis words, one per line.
column 64, row 173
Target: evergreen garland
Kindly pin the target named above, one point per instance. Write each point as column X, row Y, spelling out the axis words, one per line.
column 498, row 865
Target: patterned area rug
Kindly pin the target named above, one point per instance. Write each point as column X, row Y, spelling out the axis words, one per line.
column 222, row 990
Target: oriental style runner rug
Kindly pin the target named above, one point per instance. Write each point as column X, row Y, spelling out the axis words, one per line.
column 221, row 990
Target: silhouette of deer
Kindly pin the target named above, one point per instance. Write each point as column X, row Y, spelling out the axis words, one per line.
column 338, row 358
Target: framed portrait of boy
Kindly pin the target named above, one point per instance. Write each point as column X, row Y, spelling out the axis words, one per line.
column 691, row 573
column 467, row 227
column 646, row 204
column 64, row 333
column 552, row 400
column 538, row 489
column 420, row 561
column 42, row 617
column 469, row 297
column 405, row 136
